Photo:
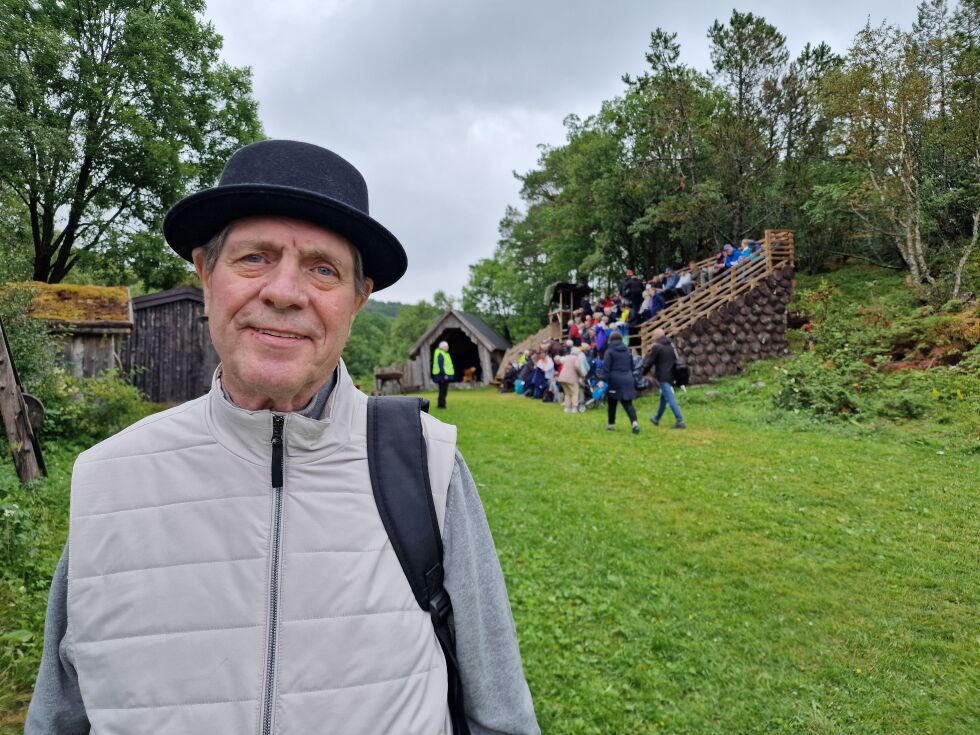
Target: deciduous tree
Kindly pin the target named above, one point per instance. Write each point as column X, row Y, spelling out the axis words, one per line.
column 881, row 98
column 109, row 111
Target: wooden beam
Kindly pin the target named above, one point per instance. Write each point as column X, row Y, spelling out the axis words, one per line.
column 13, row 409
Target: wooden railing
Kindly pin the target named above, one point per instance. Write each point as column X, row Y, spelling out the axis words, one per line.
column 776, row 253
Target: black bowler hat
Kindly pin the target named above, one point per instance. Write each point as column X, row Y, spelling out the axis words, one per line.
column 289, row 179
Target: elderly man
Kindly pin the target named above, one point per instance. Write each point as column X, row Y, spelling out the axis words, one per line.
column 227, row 569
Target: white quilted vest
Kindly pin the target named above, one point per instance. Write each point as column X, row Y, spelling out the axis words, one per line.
column 201, row 601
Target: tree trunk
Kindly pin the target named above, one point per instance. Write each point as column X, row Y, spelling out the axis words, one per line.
column 961, row 266
column 13, row 411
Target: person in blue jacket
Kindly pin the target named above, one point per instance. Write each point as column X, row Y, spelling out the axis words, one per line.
column 732, row 256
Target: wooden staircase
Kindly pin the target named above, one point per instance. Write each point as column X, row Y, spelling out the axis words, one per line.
column 739, row 316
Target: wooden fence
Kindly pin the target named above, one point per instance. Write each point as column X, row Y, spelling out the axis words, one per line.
column 725, row 287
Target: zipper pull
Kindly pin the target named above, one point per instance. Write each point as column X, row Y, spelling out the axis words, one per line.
column 277, row 446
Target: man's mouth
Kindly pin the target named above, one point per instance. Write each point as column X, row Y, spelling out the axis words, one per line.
column 277, row 333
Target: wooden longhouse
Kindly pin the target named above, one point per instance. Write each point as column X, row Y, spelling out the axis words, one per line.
column 475, row 347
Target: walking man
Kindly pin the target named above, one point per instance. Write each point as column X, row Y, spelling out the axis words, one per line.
column 661, row 359
column 442, row 371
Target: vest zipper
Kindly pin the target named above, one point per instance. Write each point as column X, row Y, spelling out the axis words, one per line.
column 277, row 482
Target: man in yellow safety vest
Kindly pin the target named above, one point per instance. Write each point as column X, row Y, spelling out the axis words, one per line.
column 442, row 371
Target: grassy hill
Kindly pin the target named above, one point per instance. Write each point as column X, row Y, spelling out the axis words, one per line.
column 801, row 560
column 757, row 573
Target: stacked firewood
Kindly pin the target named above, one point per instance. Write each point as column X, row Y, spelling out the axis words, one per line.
column 750, row 327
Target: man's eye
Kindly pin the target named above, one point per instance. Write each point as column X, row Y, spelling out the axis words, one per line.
column 253, row 258
column 325, row 270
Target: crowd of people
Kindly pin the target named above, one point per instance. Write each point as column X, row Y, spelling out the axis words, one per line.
column 594, row 363
column 580, row 377
column 639, row 299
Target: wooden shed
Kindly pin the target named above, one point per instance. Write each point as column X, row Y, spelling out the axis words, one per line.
column 92, row 323
column 169, row 355
column 473, row 344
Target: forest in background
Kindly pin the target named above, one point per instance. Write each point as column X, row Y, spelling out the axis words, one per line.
column 872, row 153
column 869, row 153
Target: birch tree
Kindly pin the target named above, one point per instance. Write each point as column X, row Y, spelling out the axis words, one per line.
column 881, row 99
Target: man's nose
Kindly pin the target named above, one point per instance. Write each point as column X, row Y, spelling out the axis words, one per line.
column 283, row 288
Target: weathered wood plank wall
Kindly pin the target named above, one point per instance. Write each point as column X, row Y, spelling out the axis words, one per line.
column 169, row 355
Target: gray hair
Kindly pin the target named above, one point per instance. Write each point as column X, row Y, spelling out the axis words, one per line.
column 214, row 246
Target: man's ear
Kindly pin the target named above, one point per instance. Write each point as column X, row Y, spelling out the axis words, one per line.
column 361, row 300
column 198, row 257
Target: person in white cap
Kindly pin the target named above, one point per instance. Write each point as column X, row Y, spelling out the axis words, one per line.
column 442, row 371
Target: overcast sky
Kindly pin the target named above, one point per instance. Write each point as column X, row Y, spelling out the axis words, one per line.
column 438, row 102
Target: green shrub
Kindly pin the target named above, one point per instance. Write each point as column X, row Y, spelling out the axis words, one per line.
column 26, row 564
column 87, row 410
column 900, row 406
column 971, row 360
column 34, row 350
column 825, row 387
column 17, row 534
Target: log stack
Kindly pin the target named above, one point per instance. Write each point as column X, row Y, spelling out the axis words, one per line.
column 750, row 327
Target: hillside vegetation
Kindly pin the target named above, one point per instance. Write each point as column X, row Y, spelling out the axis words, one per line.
column 758, row 573
column 800, row 560
column 871, row 151
column 870, row 348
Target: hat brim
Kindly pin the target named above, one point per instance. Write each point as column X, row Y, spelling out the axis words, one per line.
column 194, row 220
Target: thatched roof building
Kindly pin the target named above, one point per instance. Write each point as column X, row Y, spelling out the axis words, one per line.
column 92, row 323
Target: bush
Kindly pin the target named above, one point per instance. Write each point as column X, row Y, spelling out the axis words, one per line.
column 33, row 349
column 88, row 410
column 25, row 574
column 824, row 387
column 17, row 534
column 900, row 406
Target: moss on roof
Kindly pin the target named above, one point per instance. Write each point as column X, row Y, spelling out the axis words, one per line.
column 63, row 302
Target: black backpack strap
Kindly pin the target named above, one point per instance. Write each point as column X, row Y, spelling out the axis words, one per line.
column 398, row 463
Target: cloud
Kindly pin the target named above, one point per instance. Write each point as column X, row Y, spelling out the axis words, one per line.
column 438, row 102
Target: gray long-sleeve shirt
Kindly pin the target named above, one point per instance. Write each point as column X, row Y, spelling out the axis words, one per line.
column 497, row 697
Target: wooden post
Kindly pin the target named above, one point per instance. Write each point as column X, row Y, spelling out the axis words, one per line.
column 561, row 315
column 15, row 421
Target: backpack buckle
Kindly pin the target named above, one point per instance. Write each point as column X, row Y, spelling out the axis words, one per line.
column 440, row 606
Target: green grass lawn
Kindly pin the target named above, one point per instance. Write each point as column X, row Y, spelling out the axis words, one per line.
column 757, row 573
column 753, row 574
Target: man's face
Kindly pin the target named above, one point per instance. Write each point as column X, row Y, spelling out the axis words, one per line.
column 280, row 304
